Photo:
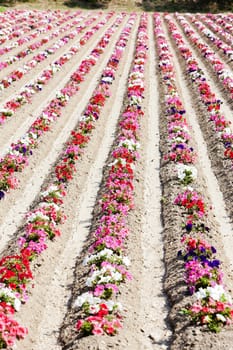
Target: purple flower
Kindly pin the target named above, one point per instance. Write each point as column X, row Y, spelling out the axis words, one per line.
column 213, row 250
column 189, row 227
column 214, row 263
column 2, row 194
column 181, row 146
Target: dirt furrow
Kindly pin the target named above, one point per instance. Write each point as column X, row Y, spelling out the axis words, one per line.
column 153, row 306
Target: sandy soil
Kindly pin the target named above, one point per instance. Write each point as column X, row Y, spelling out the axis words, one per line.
column 157, row 291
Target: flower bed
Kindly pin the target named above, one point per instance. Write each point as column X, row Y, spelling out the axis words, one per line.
column 217, row 29
column 17, row 157
column 211, row 102
column 18, row 74
column 42, row 223
column 35, row 46
column 44, row 28
column 223, row 74
column 55, row 237
column 26, row 94
column 204, row 278
column 99, row 310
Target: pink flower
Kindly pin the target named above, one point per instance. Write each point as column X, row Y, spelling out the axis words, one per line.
column 79, row 324
column 97, row 331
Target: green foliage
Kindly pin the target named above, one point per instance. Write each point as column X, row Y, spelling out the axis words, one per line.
column 187, row 5
column 88, row 4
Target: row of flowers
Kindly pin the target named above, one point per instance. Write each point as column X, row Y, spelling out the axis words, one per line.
column 14, row 30
column 203, row 89
column 42, row 222
column 99, row 312
column 27, row 67
column 215, row 39
column 223, row 74
column 38, row 44
column 44, row 28
column 212, row 306
column 16, row 159
column 15, row 24
column 218, row 29
column 25, row 95
column 223, row 20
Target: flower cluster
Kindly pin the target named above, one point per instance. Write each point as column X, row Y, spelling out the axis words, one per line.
column 186, row 173
column 212, row 308
column 15, row 273
column 106, row 261
column 203, row 275
column 192, row 201
column 201, row 266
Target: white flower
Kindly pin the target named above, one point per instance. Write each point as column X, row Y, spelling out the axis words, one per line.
column 105, row 252
column 220, row 317
column 217, row 293
column 46, row 205
column 86, row 298
column 94, row 308
column 126, row 261
column 112, row 304
column 51, row 189
column 37, row 214
column 182, row 169
column 17, row 304
column 6, row 111
column 227, row 131
column 26, row 139
column 201, row 294
column 9, row 293
column 107, row 79
column 117, row 276
column 33, row 135
column 130, row 144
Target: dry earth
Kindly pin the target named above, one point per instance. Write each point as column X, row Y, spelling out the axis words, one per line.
column 157, row 292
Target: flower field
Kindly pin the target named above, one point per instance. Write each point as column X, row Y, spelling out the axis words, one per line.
column 116, row 180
